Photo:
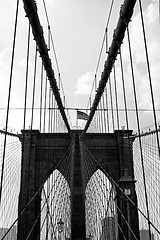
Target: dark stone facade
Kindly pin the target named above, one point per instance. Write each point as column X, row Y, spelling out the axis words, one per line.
column 41, row 154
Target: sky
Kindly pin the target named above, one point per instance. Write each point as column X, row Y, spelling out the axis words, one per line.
column 78, row 28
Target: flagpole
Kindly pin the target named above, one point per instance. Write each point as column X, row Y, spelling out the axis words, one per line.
column 77, row 121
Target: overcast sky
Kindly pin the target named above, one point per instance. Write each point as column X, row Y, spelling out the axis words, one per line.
column 78, row 29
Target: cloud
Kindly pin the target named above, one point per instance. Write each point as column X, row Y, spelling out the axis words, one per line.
column 139, row 56
column 5, row 56
column 84, row 84
column 22, row 63
column 52, row 3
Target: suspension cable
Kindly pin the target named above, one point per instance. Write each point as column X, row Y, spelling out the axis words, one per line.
column 31, row 11
column 121, row 190
column 125, row 16
column 102, row 46
column 9, row 95
column 149, row 76
column 138, row 125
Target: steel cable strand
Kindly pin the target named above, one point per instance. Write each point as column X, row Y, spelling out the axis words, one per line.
column 94, row 168
column 65, row 196
column 152, row 175
column 125, row 15
column 9, row 95
column 138, row 125
column 94, row 180
column 121, row 190
column 89, row 167
column 149, row 75
column 107, row 108
column 104, row 114
column 49, row 117
column 127, row 223
column 58, row 179
column 42, row 224
column 83, row 168
column 8, row 206
column 122, row 232
column 66, row 199
column 111, row 99
column 32, row 117
column 41, row 99
column 26, row 82
column 38, row 191
column 61, row 182
column 25, row 94
column 101, row 117
column 49, row 156
column 124, row 89
column 86, row 166
column 51, row 202
column 102, row 46
column 47, row 211
column 93, row 191
column 45, row 102
column 52, row 115
column 50, row 37
column 116, row 96
column 100, row 200
column 38, row 216
column 31, row 11
column 30, row 232
column 68, row 168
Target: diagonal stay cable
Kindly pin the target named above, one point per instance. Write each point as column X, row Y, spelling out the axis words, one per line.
column 114, row 182
column 64, row 156
column 9, row 97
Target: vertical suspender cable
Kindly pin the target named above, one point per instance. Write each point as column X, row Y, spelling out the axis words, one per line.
column 49, row 109
column 104, row 115
column 116, row 96
column 149, row 77
column 110, row 88
column 9, row 95
column 32, row 115
column 45, row 99
column 124, row 90
column 107, row 108
column 101, row 115
column 32, row 13
column 26, row 84
column 34, row 85
column 125, row 16
column 51, row 112
column 26, row 89
column 40, row 108
column 138, row 125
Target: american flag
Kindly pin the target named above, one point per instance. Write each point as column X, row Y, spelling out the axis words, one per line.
column 82, row 115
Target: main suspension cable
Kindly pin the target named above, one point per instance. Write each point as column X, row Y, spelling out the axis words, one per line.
column 125, row 16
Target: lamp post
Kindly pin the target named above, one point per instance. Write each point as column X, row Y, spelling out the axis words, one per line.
column 127, row 181
column 127, row 191
column 60, row 225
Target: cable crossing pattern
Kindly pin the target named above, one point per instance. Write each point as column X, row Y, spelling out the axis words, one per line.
column 100, row 181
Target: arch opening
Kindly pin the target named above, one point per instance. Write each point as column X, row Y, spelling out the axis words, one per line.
column 100, row 208
column 55, row 208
